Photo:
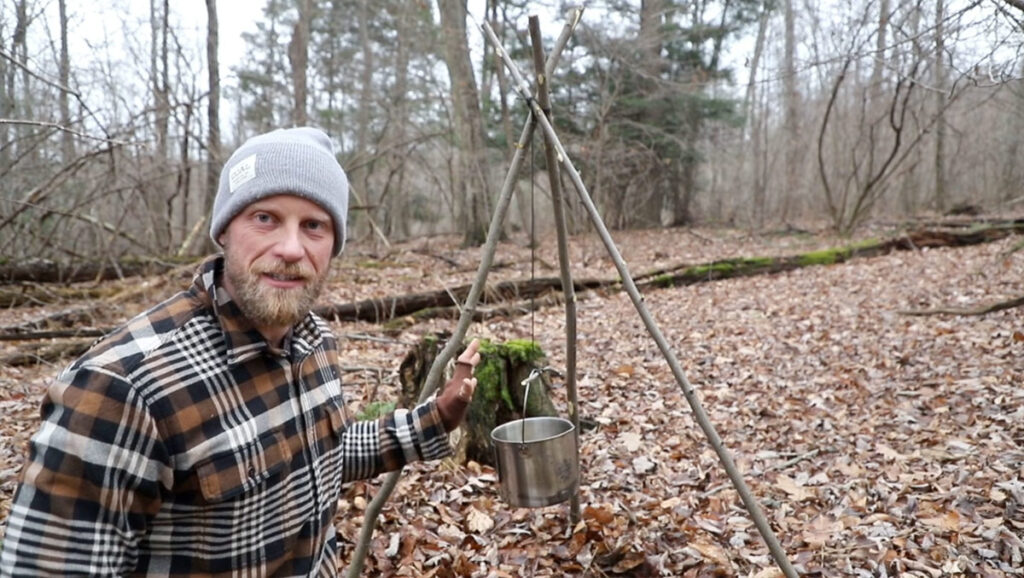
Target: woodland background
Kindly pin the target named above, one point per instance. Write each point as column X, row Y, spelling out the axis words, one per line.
column 755, row 113
column 883, row 436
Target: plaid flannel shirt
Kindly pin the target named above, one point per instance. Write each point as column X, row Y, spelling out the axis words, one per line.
column 184, row 445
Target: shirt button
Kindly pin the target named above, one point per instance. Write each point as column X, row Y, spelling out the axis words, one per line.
column 252, row 472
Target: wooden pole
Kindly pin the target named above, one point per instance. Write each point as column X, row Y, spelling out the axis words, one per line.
column 627, row 281
column 563, row 256
column 373, row 509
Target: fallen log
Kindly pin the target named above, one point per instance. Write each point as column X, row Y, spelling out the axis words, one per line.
column 47, row 271
column 748, row 266
column 34, row 294
column 388, row 308
column 512, row 298
column 49, row 353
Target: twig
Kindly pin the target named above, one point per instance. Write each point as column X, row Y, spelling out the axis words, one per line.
column 715, row 490
column 795, row 460
column 60, row 127
column 982, row 310
column 367, row 337
column 69, row 333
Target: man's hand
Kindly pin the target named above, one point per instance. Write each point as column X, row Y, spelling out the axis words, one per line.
column 453, row 401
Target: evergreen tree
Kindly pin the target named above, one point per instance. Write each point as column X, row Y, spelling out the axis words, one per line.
column 653, row 89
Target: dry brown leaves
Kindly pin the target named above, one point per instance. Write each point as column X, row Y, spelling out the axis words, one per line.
column 877, row 444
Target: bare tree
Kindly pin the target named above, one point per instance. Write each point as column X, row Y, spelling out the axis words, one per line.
column 395, row 203
column 213, row 142
column 298, row 56
column 752, row 145
column 870, row 129
column 67, row 137
column 469, row 179
column 160, row 72
column 941, row 82
column 23, row 148
column 791, row 109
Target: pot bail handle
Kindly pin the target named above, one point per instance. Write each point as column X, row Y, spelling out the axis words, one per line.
column 535, row 374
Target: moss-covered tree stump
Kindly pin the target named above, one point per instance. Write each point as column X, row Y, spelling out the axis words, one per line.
column 499, row 393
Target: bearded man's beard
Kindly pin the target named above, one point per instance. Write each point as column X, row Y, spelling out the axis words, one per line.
column 271, row 306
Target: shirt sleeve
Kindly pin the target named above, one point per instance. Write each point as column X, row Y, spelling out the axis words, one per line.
column 406, row 435
column 91, row 483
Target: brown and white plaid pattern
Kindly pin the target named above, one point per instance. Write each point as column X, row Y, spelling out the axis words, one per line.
column 183, row 445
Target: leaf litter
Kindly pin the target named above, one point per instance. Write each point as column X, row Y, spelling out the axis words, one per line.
column 877, row 444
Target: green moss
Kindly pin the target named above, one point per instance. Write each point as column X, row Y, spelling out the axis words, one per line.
column 490, row 375
column 523, row 350
column 492, row 371
column 979, row 227
column 706, row 270
column 729, row 267
column 758, row 261
column 825, row 257
column 665, row 280
column 376, row 410
column 865, row 244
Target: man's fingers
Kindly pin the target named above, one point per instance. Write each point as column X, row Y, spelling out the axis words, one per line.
column 466, row 389
column 471, row 356
column 470, row 362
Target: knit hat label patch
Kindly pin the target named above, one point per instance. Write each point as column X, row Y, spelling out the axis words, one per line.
column 242, row 173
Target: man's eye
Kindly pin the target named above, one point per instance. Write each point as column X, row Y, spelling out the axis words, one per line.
column 315, row 225
column 262, row 217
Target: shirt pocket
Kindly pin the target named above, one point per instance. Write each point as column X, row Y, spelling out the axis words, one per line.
column 230, row 474
column 332, row 423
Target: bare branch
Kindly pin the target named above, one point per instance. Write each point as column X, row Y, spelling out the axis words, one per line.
column 60, row 127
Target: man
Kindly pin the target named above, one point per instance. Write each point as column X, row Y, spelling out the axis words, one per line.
column 208, row 436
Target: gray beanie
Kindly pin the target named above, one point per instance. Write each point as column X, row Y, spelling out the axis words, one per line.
column 293, row 161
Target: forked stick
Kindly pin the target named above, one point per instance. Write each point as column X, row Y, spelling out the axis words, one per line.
column 634, row 294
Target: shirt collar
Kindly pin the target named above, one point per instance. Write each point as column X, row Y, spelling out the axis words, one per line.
column 242, row 339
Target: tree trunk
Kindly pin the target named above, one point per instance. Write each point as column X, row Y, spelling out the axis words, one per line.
column 663, row 180
column 471, row 185
column 67, row 143
column 791, row 110
column 878, row 67
column 499, row 396
column 6, row 109
column 24, row 150
column 503, row 91
column 395, row 199
column 160, row 23
column 876, row 107
column 652, row 36
column 366, row 89
column 752, row 145
column 941, row 81
column 910, row 185
column 359, row 174
column 298, row 56
column 213, row 143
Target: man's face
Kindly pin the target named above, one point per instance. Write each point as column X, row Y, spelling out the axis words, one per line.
column 277, row 252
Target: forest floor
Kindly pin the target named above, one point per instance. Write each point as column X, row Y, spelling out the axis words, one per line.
column 877, row 443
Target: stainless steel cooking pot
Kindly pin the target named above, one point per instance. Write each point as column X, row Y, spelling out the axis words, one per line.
column 536, row 460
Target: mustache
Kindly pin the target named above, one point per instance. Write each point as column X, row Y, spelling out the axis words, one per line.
column 283, row 269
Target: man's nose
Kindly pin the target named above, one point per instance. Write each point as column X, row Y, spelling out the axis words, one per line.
column 289, row 246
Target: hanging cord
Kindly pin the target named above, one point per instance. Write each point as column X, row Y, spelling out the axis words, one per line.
column 533, row 242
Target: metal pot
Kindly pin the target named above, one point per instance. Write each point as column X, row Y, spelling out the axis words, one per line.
column 536, row 461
